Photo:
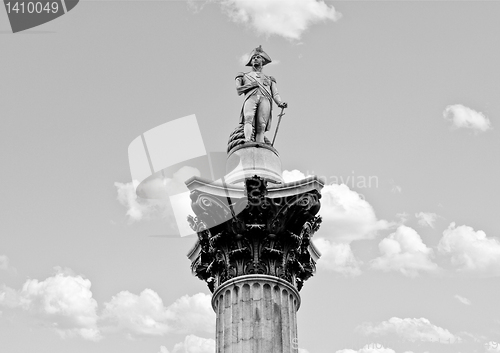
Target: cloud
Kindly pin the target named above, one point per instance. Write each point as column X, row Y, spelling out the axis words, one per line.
column 141, row 314
column 471, row 251
column 155, row 192
column 163, row 349
column 244, row 59
column 369, row 348
column 165, row 198
column 4, row 262
column 293, row 175
column 462, row 299
column 138, row 208
column 337, row 257
column 405, row 252
column 403, row 217
column 426, row 219
column 192, row 313
column 463, row 117
column 410, row 330
column 145, row 314
column 64, row 300
column 195, row 344
column 9, row 297
column 347, row 216
column 286, row 18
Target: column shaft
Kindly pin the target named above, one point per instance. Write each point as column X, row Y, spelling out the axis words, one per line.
column 256, row 314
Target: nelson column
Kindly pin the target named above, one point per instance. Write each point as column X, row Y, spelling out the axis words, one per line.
column 254, row 247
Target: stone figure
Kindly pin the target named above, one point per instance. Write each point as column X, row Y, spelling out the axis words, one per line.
column 260, row 91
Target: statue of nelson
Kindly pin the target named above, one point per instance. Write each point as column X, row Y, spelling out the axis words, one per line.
column 260, row 90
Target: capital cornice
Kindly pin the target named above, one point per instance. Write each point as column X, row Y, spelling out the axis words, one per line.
column 253, row 229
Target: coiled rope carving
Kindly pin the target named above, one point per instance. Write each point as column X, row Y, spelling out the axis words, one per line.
column 237, row 138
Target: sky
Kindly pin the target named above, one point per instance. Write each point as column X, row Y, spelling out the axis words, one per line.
column 394, row 104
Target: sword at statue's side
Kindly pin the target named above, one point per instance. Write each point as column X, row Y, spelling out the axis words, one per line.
column 278, row 125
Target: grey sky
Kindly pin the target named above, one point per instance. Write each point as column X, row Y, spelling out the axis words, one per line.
column 368, row 94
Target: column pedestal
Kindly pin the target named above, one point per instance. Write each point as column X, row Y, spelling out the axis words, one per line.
column 251, row 159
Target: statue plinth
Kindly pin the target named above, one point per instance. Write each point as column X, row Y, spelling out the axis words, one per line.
column 247, row 160
column 254, row 249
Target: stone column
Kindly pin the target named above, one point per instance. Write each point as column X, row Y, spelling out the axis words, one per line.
column 256, row 314
column 254, row 249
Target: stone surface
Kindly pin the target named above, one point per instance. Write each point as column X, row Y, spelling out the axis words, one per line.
column 254, row 249
column 254, row 229
column 256, row 314
column 252, row 159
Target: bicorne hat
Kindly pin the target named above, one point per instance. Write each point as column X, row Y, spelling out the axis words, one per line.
column 262, row 53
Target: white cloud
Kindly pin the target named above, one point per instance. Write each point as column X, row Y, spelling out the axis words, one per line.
column 347, row 216
column 141, row 314
column 192, row 313
column 139, row 208
column 9, row 297
column 244, row 59
column 403, row 217
column 145, row 314
column 462, row 300
column 410, row 330
column 286, row 18
column 195, row 344
column 91, row 334
column 405, row 252
column 4, row 262
column 163, row 349
column 471, row 251
column 463, row 117
column 293, row 175
column 369, row 348
column 426, row 219
column 337, row 257
column 166, row 198
column 64, row 300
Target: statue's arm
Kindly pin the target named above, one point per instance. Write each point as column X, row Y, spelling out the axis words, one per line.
column 276, row 95
column 242, row 86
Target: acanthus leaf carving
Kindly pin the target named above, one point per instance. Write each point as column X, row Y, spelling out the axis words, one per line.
column 268, row 236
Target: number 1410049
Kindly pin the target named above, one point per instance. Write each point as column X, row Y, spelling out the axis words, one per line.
column 32, row 7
